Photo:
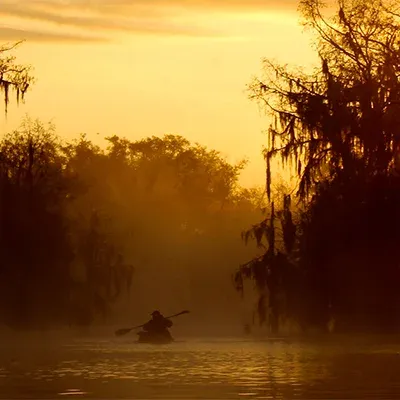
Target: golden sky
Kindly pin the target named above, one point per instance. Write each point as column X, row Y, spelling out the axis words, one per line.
column 149, row 67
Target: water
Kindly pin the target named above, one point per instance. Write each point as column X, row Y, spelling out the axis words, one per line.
column 200, row 369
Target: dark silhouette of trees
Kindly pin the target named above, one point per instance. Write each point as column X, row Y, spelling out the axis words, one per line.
column 339, row 127
column 75, row 219
column 33, row 189
column 40, row 242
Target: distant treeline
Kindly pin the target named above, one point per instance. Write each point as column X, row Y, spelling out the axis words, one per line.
column 77, row 221
column 331, row 256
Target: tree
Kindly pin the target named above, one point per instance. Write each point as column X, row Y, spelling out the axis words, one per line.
column 275, row 270
column 56, row 264
column 100, row 271
column 176, row 207
column 344, row 116
column 13, row 75
column 34, row 254
column 340, row 127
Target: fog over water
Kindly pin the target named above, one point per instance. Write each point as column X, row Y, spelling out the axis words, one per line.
column 200, row 368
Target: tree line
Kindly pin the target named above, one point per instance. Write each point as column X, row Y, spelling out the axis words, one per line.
column 79, row 221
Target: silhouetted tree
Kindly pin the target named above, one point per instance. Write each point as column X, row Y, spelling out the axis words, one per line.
column 34, row 254
column 342, row 117
column 100, row 272
column 41, row 240
column 12, row 75
column 339, row 127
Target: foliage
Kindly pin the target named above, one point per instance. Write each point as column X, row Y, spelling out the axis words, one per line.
column 76, row 218
column 339, row 126
column 13, row 75
column 344, row 116
column 33, row 190
column 36, row 240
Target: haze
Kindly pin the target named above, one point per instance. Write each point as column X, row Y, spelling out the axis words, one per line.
column 140, row 256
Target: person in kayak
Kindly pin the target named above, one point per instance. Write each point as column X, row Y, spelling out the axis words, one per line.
column 158, row 325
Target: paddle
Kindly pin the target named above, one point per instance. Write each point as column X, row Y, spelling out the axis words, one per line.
column 124, row 331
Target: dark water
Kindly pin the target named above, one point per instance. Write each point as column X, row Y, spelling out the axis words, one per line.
column 201, row 369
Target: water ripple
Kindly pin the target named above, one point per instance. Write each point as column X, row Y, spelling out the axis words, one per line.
column 206, row 370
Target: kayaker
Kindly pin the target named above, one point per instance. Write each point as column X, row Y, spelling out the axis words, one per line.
column 158, row 324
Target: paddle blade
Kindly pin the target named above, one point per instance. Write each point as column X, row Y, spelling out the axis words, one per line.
column 122, row 331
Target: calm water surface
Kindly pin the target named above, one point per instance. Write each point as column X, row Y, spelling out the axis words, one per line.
column 201, row 369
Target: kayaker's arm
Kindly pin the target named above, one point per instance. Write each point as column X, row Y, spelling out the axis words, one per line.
column 168, row 323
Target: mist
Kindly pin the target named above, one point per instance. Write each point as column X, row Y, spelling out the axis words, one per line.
column 135, row 227
column 143, row 268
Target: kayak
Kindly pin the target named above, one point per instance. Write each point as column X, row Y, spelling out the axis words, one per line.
column 153, row 338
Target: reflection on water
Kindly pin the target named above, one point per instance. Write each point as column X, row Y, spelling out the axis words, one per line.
column 275, row 369
column 72, row 392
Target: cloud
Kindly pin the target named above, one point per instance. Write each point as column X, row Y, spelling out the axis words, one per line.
column 101, row 23
column 152, row 6
column 13, row 34
column 163, row 17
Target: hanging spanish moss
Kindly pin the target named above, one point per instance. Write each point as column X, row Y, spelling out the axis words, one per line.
column 345, row 113
column 13, row 76
column 336, row 129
